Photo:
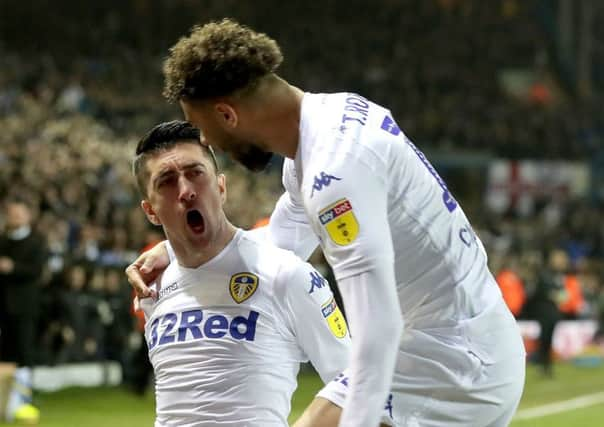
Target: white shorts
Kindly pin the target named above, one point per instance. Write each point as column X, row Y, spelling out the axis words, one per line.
column 439, row 385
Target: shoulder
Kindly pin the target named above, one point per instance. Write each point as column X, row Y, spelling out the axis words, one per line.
column 290, row 273
column 300, row 281
column 264, row 255
column 358, row 132
column 251, row 242
column 345, row 177
column 284, row 273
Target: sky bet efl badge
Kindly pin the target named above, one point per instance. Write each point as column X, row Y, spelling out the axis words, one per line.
column 243, row 286
column 335, row 319
column 340, row 222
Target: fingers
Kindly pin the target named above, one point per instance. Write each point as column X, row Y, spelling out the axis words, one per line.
column 148, row 264
column 142, row 272
column 136, row 281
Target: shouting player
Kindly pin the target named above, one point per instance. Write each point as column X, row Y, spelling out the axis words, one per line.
column 232, row 318
column 428, row 321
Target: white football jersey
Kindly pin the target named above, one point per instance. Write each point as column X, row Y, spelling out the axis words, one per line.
column 374, row 200
column 440, row 264
column 226, row 339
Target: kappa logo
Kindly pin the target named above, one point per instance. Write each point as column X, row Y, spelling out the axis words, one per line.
column 335, row 319
column 243, row 286
column 339, row 222
column 316, row 281
column 323, row 180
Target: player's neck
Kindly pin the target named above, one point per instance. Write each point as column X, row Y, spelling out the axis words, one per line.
column 281, row 118
column 195, row 255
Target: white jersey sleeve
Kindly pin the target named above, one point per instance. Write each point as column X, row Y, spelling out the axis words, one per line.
column 377, row 326
column 312, row 316
column 288, row 227
column 351, row 217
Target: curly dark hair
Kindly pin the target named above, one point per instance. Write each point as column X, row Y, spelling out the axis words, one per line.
column 217, row 59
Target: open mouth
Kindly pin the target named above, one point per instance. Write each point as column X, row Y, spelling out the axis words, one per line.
column 195, row 221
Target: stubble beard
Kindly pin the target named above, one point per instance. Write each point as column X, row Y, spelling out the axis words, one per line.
column 254, row 158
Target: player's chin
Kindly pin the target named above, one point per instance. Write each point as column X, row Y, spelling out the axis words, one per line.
column 196, row 239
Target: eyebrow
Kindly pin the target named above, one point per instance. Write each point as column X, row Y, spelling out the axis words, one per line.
column 171, row 171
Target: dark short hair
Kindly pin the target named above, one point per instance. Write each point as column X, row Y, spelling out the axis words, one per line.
column 218, row 59
column 18, row 200
column 161, row 138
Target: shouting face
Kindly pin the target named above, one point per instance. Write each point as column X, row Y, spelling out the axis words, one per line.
column 185, row 195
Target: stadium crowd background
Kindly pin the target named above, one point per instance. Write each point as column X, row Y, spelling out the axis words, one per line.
column 81, row 83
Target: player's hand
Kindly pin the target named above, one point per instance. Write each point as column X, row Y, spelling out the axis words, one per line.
column 142, row 272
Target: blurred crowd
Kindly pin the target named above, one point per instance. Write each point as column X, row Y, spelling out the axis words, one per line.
column 458, row 74
column 71, row 172
column 564, row 238
column 549, row 267
column 70, row 119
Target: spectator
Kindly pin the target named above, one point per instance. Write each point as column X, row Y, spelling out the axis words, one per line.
column 82, row 327
column 545, row 304
column 22, row 259
column 512, row 286
column 120, row 325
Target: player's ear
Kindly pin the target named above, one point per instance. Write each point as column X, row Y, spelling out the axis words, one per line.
column 226, row 114
column 150, row 213
column 222, row 187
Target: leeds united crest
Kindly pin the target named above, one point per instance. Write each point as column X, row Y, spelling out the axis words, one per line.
column 243, row 286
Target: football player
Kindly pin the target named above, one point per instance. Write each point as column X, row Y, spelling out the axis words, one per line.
column 232, row 317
